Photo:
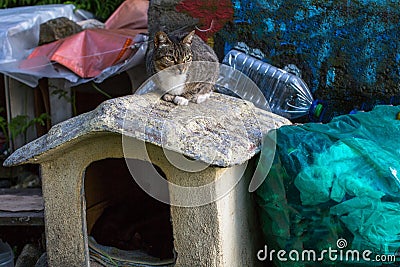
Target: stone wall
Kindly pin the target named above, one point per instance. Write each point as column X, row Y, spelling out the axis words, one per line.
column 348, row 51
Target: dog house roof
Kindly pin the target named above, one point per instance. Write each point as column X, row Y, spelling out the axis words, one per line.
column 222, row 131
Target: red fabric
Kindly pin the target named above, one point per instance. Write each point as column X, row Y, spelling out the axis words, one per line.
column 89, row 52
column 213, row 15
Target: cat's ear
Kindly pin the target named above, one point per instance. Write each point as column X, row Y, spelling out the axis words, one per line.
column 161, row 38
column 188, row 39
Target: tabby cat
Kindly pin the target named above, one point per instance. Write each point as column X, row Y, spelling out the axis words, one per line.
column 172, row 57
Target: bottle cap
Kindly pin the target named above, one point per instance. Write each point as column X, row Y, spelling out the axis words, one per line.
column 315, row 111
column 319, row 112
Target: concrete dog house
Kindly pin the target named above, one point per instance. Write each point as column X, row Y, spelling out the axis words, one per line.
column 223, row 133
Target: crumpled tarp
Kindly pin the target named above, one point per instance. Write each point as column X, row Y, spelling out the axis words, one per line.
column 335, row 180
column 94, row 54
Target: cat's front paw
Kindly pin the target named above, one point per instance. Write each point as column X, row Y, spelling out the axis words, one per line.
column 179, row 100
column 202, row 98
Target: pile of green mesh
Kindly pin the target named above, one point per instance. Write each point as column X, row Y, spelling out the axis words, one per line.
column 335, row 181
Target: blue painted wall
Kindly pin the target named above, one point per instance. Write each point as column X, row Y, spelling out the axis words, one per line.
column 348, row 50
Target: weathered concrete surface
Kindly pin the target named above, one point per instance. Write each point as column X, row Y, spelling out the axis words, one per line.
column 223, row 233
column 223, row 131
column 64, row 197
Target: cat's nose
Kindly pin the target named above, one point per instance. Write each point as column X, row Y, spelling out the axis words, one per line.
column 181, row 69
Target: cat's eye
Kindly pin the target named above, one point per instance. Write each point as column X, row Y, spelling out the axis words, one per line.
column 188, row 57
column 169, row 58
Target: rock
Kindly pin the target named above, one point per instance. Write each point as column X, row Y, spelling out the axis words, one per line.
column 42, row 261
column 29, row 256
column 56, row 29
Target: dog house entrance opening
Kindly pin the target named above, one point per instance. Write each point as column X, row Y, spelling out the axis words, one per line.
column 121, row 215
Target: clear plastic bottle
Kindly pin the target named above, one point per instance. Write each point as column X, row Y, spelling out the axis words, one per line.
column 286, row 94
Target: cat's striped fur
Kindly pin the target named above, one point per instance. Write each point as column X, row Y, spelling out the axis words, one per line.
column 175, row 59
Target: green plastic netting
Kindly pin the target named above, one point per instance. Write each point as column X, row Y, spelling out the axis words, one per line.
column 336, row 181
